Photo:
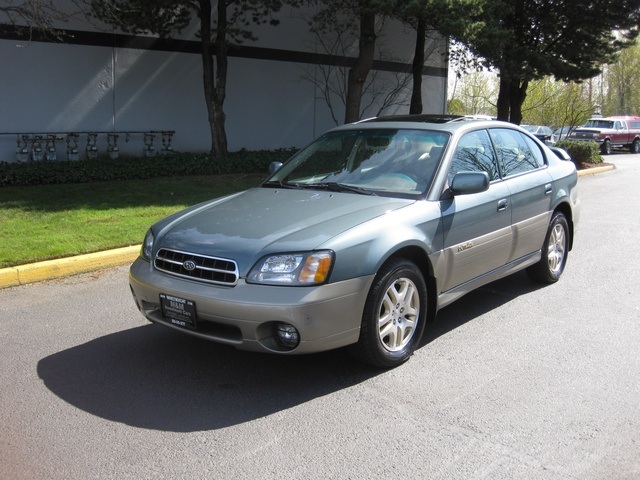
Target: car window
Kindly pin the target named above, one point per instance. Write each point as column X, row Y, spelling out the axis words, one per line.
column 516, row 152
column 329, row 156
column 599, row 124
column 382, row 161
column 474, row 153
column 535, row 150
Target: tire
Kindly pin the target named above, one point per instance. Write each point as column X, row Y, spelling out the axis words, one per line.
column 554, row 252
column 394, row 315
column 606, row 147
column 635, row 146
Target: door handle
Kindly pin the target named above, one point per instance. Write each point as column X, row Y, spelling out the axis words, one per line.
column 502, row 205
column 548, row 189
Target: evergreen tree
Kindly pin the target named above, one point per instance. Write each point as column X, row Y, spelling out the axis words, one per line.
column 525, row 40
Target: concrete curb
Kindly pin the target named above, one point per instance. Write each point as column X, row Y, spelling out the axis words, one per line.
column 37, row 272
column 594, row 170
column 63, row 267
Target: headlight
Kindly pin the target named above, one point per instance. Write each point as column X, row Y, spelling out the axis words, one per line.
column 298, row 269
column 147, row 246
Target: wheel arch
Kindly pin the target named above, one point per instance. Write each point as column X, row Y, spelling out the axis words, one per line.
column 419, row 256
column 566, row 210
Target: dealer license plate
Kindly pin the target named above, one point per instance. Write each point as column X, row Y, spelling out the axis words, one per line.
column 178, row 311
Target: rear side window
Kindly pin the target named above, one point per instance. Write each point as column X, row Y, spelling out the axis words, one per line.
column 474, row 153
column 516, row 152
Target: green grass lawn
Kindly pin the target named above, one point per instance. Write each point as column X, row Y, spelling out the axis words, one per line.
column 54, row 221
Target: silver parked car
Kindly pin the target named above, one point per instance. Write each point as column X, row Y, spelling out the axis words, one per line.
column 562, row 133
column 543, row 133
column 359, row 238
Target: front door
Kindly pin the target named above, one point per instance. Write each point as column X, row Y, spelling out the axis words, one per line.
column 477, row 227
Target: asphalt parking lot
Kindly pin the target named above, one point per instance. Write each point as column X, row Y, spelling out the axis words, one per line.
column 512, row 381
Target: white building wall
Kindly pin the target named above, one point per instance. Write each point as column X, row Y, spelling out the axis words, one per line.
column 59, row 88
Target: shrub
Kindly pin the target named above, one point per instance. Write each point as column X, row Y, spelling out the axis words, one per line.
column 580, row 151
column 175, row 164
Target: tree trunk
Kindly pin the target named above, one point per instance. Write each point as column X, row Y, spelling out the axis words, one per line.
column 221, row 81
column 359, row 71
column 517, row 95
column 416, row 69
column 214, row 84
column 503, row 98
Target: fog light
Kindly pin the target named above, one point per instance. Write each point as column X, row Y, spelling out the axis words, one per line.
column 287, row 335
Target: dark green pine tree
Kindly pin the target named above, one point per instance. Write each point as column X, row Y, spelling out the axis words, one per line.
column 425, row 16
column 525, row 40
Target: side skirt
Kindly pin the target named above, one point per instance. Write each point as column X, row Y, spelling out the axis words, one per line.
column 445, row 298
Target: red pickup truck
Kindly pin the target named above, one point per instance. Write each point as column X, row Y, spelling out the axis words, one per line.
column 611, row 132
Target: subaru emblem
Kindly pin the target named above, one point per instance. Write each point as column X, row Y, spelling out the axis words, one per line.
column 189, row 265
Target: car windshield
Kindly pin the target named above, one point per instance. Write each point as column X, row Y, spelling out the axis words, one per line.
column 388, row 162
column 537, row 129
column 599, row 124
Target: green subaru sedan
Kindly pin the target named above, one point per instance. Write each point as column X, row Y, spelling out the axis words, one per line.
column 360, row 238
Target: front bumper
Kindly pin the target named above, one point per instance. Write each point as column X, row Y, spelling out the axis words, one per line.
column 244, row 316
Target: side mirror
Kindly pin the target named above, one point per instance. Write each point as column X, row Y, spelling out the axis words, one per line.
column 465, row 183
column 274, row 167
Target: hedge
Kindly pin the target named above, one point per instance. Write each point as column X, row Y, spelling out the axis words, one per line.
column 123, row 168
column 581, row 152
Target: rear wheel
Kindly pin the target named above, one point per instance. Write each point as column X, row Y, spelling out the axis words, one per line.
column 394, row 315
column 554, row 252
column 635, row 146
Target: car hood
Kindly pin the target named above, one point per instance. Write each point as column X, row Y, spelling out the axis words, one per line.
column 589, row 129
column 259, row 221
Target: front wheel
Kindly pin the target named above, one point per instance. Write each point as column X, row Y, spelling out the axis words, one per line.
column 554, row 252
column 394, row 315
column 606, row 147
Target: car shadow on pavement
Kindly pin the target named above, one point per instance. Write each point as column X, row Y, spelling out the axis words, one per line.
column 478, row 302
column 151, row 377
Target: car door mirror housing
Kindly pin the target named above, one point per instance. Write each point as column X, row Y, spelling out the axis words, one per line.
column 561, row 153
column 465, row 183
column 274, row 167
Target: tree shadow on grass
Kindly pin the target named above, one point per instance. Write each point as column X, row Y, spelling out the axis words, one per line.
column 155, row 192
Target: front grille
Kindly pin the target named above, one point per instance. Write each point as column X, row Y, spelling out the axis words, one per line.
column 207, row 269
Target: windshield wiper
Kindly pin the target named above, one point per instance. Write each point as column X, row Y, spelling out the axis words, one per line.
column 332, row 186
column 340, row 187
column 280, row 184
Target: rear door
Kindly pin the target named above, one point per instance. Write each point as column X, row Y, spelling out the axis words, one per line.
column 477, row 227
column 531, row 189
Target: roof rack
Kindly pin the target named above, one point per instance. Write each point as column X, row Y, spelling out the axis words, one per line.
column 423, row 118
